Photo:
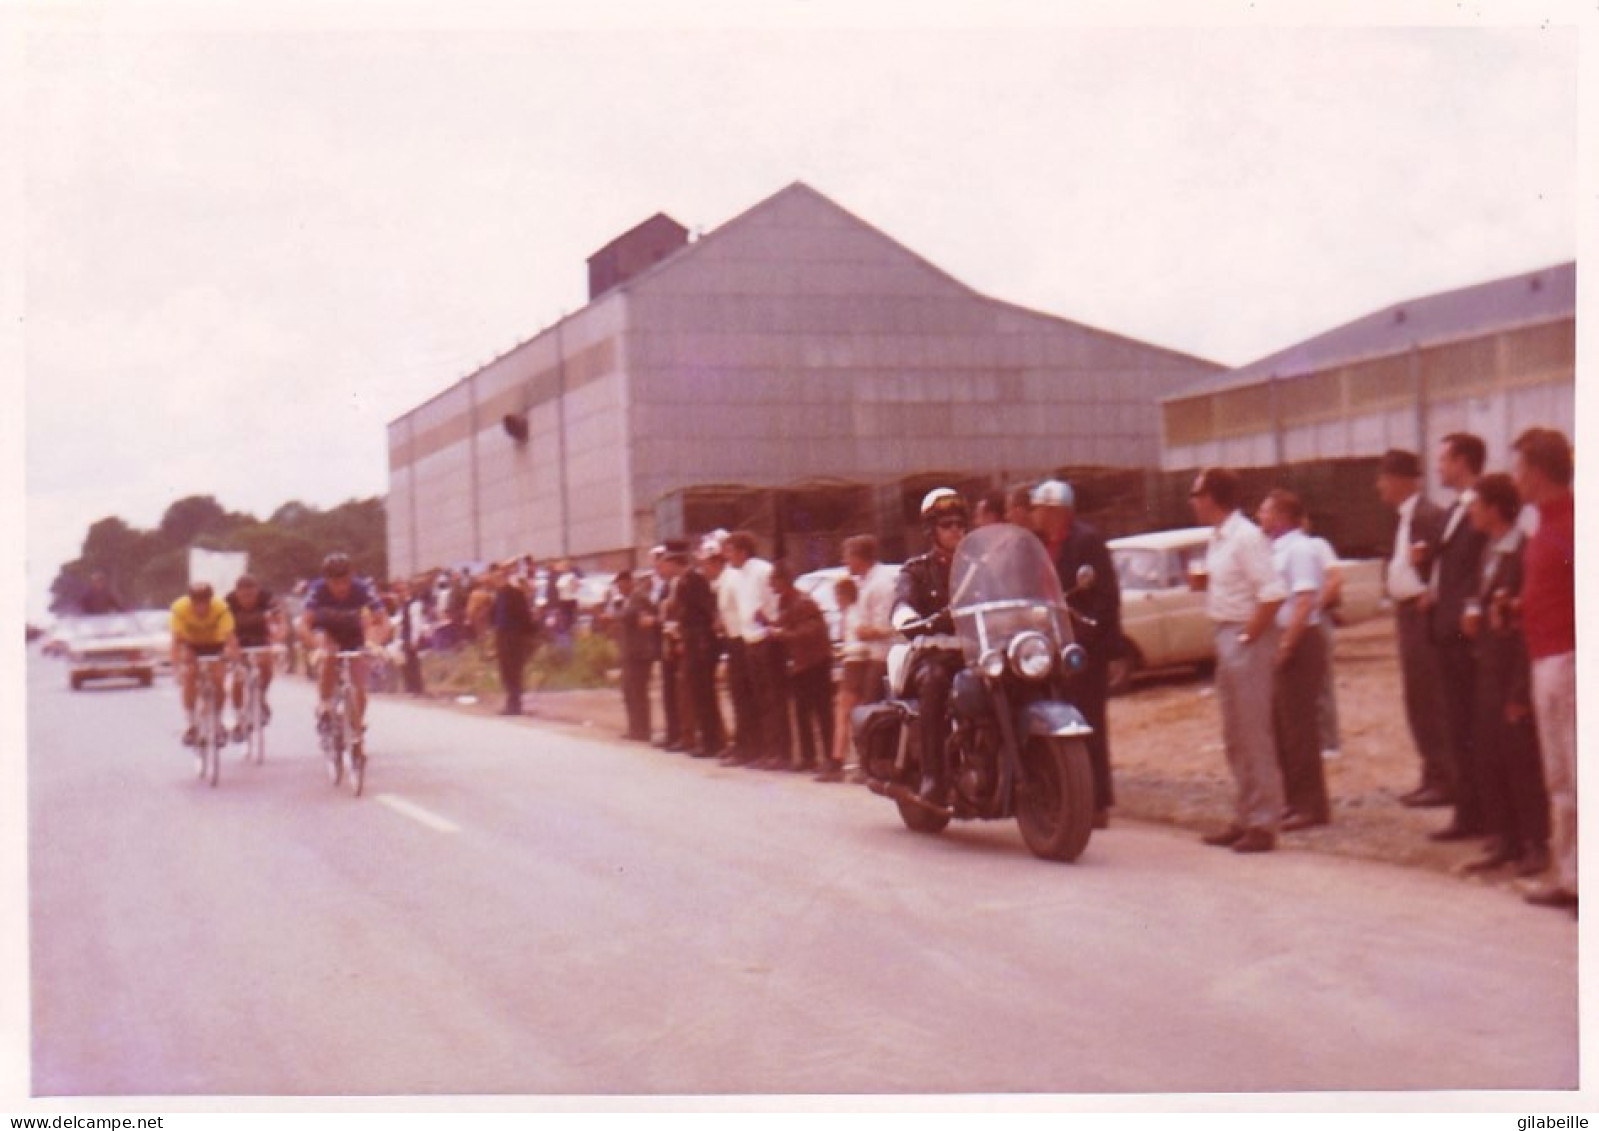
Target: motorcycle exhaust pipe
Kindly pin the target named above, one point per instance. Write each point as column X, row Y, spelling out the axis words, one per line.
column 896, row 792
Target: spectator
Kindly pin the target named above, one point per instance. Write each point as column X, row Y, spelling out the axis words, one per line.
column 1455, row 577
column 801, row 631
column 460, row 594
column 1331, row 598
column 668, row 645
column 514, row 630
column 696, row 609
column 874, row 627
column 854, row 654
column 1515, row 804
column 1020, row 507
column 566, row 590
column 1548, row 617
column 747, row 745
column 1072, row 544
column 637, row 620
column 1409, row 566
column 1300, row 662
column 98, row 598
column 990, row 508
column 409, row 621
column 757, row 608
column 1242, row 601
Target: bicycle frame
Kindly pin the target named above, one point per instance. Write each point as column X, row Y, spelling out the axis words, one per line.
column 208, row 718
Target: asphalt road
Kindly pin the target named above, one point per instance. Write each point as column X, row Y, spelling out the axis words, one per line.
column 516, row 909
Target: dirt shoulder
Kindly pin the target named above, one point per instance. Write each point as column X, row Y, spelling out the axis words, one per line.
column 1169, row 765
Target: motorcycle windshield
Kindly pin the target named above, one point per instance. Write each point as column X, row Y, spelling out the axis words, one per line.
column 1002, row 583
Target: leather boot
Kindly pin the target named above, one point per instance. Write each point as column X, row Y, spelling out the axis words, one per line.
column 935, row 774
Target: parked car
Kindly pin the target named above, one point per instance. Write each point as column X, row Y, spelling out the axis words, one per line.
column 59, row 636
column 111, row 646
column 1163, row 620
column 155, row 633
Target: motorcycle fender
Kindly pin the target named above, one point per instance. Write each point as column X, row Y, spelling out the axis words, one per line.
column 1051, row 719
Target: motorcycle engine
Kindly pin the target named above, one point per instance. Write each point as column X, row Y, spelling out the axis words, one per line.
column 975, row 748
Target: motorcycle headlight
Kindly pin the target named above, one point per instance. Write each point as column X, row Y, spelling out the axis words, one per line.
column 1073, row 658
column 992, row 664
column 1031, row 655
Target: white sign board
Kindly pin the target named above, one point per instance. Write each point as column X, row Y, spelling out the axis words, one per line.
column 221, row 568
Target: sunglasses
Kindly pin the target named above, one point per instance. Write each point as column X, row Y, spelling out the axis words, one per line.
column 952, row 524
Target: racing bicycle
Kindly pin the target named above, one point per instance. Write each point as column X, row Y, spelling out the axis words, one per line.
column 252, row 715
column 210, row 736
column 337, row 728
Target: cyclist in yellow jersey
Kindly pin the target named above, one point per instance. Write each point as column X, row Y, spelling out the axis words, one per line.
column 201, row 626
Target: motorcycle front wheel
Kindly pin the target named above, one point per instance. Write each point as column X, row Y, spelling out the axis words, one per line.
column 1055, row 809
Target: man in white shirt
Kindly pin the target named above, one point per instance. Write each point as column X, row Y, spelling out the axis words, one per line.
column 1243, row 597
column 1409, row 566
column 1331, row 595
column 1301, row 661
column 756, row 605
column 874, row 609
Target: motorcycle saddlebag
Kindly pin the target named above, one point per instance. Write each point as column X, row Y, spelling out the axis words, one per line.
column 877, row 729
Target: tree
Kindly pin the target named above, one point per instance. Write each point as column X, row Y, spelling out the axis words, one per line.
column 187, row 519
column 162, row 580
column 278, row 558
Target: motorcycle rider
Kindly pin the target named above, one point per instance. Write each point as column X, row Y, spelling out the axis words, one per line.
column 921, row 608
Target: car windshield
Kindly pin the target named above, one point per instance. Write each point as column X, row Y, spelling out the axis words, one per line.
column 109, row 624
column 1002, row 583
column 1139, row 569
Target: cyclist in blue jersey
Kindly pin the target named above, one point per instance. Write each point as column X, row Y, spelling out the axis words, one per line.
column 343, row 613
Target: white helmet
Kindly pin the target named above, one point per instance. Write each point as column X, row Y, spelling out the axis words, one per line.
column 941, row 502
column 1053, row 493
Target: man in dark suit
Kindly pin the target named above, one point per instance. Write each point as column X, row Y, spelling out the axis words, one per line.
column 695, row 604
column 1072, row 543
column 639, row 646
column 1405, row 581
column 1515, row 802
column 512, row 617
column 1455, row 577
column 670, row 644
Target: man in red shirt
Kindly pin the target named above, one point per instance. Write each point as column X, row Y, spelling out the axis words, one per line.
column 1549, row 623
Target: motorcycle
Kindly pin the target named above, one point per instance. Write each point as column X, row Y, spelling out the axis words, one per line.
column 1016, row 744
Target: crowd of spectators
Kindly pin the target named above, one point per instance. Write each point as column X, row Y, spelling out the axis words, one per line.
column 1484, row 605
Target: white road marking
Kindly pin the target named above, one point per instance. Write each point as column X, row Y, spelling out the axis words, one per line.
column 418, row 814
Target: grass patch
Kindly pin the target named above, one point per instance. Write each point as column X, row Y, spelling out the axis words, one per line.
column 584, row 662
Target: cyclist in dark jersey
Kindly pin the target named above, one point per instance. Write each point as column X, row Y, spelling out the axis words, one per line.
column 342, row 614
column 257, row 623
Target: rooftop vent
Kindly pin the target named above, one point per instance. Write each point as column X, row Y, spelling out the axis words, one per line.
column 1399, row 316
column 633, row 252
column 1535, row 283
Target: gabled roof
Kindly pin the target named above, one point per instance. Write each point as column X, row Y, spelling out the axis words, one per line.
column 800, row 188
column 1519, row 300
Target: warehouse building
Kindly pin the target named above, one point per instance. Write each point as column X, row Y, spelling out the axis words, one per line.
column 1492, row 359
column 794, row 346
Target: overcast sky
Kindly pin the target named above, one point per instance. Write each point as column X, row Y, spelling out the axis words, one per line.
column 251, row 245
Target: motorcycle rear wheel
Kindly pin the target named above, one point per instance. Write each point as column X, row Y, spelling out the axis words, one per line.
column 1055, row 810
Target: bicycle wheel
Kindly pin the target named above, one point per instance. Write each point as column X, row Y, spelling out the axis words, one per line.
column 336, row 740
column 256, row 725
column 357, row 769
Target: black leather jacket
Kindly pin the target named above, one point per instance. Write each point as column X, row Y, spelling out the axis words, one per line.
column 923, row 587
